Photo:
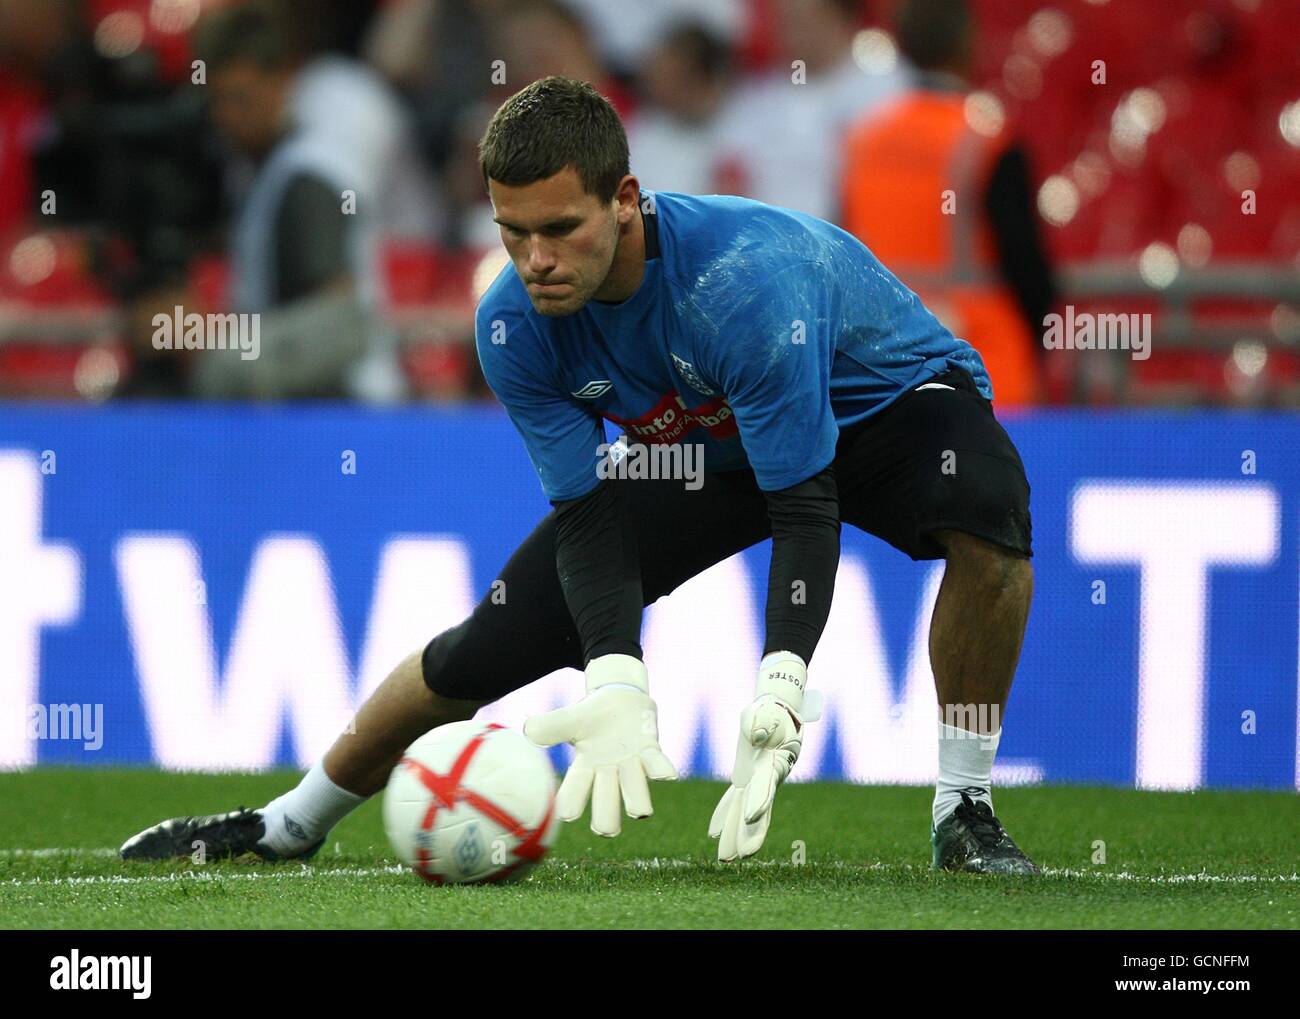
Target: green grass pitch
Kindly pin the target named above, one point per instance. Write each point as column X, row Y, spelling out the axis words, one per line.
column 837, row 856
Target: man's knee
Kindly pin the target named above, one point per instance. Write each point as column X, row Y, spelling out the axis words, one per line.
column 480, row 659
column 437, row 663
column 1003, row 569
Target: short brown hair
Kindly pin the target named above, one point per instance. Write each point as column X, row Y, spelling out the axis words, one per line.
column 553, row 123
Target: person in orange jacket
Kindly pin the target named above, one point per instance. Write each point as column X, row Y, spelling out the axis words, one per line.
column 939, row 190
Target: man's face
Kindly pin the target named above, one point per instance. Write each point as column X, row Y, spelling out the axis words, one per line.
column 248, row 105
column 561, row 239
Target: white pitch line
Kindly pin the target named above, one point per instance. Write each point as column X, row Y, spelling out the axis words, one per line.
column 666, row 863
column 59, row 851
column 652, row 863
column 1175, row 879
column 201, row 876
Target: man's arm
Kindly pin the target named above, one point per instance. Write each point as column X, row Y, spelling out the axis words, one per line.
column 1022, row 258
column 777, row 383
column 595, row 550
column 561, row 437
column 600, row 571
column 614, row 728
column 805, row 555
column 772, row 358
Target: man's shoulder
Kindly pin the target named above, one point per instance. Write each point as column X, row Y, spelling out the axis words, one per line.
column 741, row 227
column 504, row 305
column 506, row 335
column 724, row 248
column 705, row 212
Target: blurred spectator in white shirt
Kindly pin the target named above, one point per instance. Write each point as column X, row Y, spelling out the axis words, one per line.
column 673, row 136
column 781, row 136
column 345, row 102
column 304, row 247
column 625, row 31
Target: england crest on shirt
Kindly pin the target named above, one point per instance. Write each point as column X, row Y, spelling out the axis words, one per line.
column 692, row 377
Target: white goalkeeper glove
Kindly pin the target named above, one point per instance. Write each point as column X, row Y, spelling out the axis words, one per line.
column 770, row 737
column 615, row 735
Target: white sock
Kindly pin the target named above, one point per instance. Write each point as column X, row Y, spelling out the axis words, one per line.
column 305, row 814
column 965, row 765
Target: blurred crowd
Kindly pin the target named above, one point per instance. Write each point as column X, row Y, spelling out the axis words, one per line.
column 315, row 162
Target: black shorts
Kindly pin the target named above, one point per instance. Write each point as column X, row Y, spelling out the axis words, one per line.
column 934, row 459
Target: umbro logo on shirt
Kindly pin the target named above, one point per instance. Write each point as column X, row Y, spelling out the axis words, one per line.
column 594, row 388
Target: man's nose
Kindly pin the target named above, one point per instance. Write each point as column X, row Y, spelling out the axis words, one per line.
column 541, row 259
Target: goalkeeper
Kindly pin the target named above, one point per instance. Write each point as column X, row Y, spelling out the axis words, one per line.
column 819, row 389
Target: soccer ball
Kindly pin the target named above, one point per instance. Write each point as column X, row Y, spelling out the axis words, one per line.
column 471, row 802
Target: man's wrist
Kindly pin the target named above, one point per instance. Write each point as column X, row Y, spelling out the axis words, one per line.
column 617, row 670
column 784, row 675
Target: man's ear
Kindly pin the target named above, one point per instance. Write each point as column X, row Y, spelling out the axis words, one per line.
column 628, row 194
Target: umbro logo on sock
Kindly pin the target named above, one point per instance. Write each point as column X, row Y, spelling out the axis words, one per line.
column 294, row 828
column 974, row 791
